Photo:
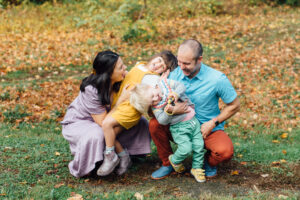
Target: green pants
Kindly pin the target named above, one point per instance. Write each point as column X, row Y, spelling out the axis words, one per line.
column 187, row 135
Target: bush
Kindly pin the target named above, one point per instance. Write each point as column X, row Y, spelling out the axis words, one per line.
column 277, row 2
column 141, row 30
column 5, row 3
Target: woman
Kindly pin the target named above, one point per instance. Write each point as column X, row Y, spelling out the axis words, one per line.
column 83, row 120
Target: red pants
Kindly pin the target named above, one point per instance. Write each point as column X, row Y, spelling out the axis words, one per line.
column 218, row 144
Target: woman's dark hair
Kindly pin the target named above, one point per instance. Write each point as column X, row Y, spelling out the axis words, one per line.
column 103, row 67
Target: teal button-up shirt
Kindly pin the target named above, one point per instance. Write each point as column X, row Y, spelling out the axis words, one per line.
column 204, row 90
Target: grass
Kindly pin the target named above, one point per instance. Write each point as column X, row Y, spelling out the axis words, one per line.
column 266, row 146
column 34, row 159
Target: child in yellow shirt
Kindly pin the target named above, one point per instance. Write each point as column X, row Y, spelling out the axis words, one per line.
column 125, row 115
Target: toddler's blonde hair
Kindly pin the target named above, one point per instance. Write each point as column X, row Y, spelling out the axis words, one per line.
column 138, row 99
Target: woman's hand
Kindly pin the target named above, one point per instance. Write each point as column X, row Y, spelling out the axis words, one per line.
column 99, row 118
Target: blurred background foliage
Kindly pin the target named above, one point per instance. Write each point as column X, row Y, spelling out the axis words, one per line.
column 50, row 41
column 115, row 4
column 133, row 20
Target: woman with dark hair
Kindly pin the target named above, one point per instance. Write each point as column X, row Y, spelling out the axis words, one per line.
column 82, row 124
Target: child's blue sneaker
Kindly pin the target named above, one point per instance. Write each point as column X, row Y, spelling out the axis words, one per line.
column 210, row 171
column 162, row 172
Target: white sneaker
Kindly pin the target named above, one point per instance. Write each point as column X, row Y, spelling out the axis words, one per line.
column 125, row 163
column 199, row 175
column 111, row 160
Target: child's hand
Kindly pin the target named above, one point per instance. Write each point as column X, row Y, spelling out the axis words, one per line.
column 169, row 109
column 173, row 97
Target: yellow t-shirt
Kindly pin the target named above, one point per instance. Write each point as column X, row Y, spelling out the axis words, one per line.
column 125, row 114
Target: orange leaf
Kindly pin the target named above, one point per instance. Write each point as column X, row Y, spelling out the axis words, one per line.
column 275, row 141
column 59, row 185
column 235, row 172
column 284, row 135
column 275, row 163
column 284, row 151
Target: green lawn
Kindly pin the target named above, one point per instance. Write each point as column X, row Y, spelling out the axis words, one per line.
column 34, row 160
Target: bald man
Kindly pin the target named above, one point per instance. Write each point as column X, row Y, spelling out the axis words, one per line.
column 204, row 86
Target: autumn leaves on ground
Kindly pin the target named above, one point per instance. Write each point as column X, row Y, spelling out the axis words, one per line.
column 46, row 50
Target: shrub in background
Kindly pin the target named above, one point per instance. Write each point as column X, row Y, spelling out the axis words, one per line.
column 5, row 3
column 276, row 2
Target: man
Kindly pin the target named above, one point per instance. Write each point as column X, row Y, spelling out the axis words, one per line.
column 204, row 87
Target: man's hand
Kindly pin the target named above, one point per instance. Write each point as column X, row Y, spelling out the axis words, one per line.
column 180, row 108
column 207, row 127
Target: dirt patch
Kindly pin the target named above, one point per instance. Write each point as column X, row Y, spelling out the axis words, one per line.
column 278, row 176
column 234, row 179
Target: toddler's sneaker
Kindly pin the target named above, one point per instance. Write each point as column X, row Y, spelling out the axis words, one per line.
column 177, row 167
column 111, row 160
column 199, row 175
column 125, row 163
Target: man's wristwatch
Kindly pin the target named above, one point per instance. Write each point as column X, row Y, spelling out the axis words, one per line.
column 216, row 121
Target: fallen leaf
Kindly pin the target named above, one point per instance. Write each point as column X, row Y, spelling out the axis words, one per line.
column 75, row 197
column 235, row 172
column 284, row 135
column 275, row 141
column 138, row 196
column 256, row 189
column 275, row 163
column 243, row 163
column 57, row 153
column 282, row 196
column 284, row 151
column 264, row 175
column 59, row 185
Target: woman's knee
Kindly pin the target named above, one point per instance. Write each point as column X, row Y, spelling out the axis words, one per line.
column 95, row 136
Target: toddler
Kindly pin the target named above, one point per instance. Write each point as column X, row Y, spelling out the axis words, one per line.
column 185, row 128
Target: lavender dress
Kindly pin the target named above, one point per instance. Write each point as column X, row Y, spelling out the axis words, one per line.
column 86, row 137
